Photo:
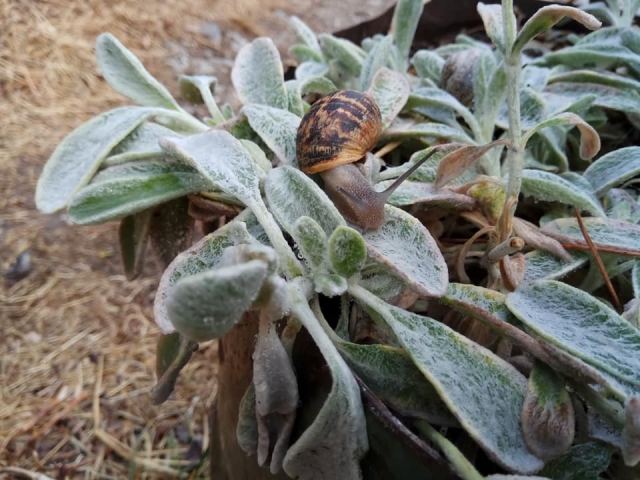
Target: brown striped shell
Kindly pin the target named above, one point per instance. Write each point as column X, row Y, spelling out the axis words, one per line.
column 339, row 128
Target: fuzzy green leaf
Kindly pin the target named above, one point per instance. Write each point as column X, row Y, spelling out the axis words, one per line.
column 583, row 462
column 206, row 305
column 403, row 28
column 336, row 441
column 548, row 420
column 306, row 35
column 489, row 89
column 605, row 233
column 435, row 97
column 390, row 90
column 126, row 74
column 427, row 130
column 614, row 168
column 391, row 374
column 79, row 155
column 484, row 392
column 221, row 159
column 291, row 194
column 381, row 55
column 622, row 100
column 545, row 265
column 198, row 89
column 167, row 350
column 404, row 245
column 133, row 235
column 581, row 325
column 411, row 193
column 550, row 187
column 201, row 257
column 546, row 17
column 428, row 65
column 492, row 19
column 311, row 240
column 329, row 284
column 141, row 144
column 257, row 74
column 277, row 128
column 347, row 251
column 349, row 55
column 132, row 187
column 478, row 302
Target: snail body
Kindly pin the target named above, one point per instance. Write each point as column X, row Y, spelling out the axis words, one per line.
column 338, row 131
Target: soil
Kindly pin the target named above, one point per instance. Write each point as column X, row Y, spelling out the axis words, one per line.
column 78, row 339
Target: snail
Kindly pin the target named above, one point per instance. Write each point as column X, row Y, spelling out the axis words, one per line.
column 337, row 131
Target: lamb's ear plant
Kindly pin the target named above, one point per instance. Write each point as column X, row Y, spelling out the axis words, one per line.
column 475, row 330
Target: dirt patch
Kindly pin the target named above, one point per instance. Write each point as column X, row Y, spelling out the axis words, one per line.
column 78, row 340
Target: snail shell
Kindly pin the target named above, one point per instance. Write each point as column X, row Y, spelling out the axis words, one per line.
column 338, row 129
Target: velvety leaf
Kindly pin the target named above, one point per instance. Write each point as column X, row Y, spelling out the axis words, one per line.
column 589, row 140
column 277, row 128
column 257, row 74
column 581, row 325
column 583, row 462
column 336, row 441
column 483, row 392
column 126, row 74
column 311, row 240
column 492, row 19
column 304, row 53
column 411, row 193
column 548, row 419
column 428, row 130
column 455, row 163
column 347, row 251
column 609, row 79
column 294, row 98
column 291, row 194
column 390, row 90
column 133, row 236
column 247, row 428
column 306, row 35
column 550, row 187
column 435, row 97
column 428, row 65
column 403, row 28
column 605, row 233
column 206, row 305
column 546, row 17
column 606, row 97
column 489, row 90
column 330, row 284
column 393, row 377
column 167, row 350
column 379, row 280
column 404, row 245
column 171, row 229
column 613, row 169
column 132, row 187
column 348, row 54
column 201, row 257
column 381, row 55
column 605, row 48
column 545, row 265
column 141, row 144
column 478, row 302
column 311, row 69
column 221, row 159
column 79, row 155
column 198, row 89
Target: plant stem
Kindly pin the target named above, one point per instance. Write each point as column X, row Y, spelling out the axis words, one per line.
column 512, row 67
column 460, row 464
column 290, row 265
column 212, row 106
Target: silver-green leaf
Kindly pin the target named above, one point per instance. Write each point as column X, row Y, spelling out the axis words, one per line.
column 613, row 169
column 126, row 74
column 277, row 128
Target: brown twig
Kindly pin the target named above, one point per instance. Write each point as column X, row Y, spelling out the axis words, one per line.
column 598, row 259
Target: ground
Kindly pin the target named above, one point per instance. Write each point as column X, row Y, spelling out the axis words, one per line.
column 77, row 339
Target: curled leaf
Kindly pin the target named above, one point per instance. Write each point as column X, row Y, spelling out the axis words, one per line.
column 455, row 163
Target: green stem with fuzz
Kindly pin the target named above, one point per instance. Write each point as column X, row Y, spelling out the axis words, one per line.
column 515, row 155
